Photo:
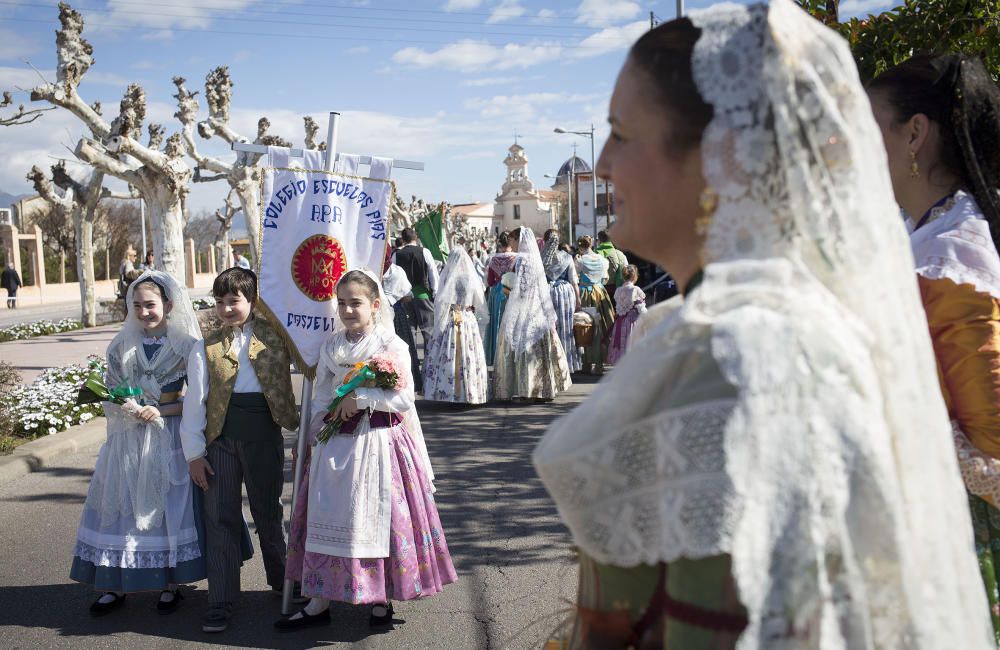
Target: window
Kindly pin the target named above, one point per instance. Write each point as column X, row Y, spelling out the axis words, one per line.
column 517, row 211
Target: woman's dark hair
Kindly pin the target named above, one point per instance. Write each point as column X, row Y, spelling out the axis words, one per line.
column 956, row 92
column 234, row 281
column 359, row 277
column 548, row 234
column 664, row 53
column 159, row 287
column 503, row 240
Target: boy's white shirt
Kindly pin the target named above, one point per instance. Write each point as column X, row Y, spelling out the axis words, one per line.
column 194, row 417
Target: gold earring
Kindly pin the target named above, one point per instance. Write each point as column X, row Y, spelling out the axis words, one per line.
column 708, row 201
column 914, row 167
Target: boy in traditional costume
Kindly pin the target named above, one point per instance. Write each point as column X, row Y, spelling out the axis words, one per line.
column 240, row 397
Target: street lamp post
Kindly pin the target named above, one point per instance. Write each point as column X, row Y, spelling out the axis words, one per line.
column 569, row 202
column 593, row 169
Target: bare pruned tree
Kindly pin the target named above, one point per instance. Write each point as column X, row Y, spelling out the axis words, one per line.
column 162, row 177
column 22, row 115
column 243, row 175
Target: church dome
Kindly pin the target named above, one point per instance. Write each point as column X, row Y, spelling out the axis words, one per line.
column 578, row 165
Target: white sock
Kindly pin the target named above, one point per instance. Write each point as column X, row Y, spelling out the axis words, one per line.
column 315, row 606
column 110, row 597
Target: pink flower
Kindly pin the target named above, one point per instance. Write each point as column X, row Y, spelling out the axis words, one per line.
column 387, row 373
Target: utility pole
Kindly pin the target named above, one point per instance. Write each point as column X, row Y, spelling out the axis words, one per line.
column 652, row 20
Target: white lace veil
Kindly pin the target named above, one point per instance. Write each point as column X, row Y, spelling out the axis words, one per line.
column 529, row 314
column 461, row 285
column 789, row 413
column 142, row 450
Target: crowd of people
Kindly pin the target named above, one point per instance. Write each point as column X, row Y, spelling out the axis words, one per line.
column 799, row 451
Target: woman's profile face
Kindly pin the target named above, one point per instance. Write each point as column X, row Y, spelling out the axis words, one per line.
column 897, row 148
column 656, row 191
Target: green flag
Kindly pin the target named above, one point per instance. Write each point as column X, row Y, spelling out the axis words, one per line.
column 431, row 234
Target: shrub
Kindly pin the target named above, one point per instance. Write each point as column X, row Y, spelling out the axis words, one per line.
column 48, row 404
column 38, row 328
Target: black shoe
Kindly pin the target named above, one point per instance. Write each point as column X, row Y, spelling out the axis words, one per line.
column 217, row 618
column 297, row 597
column 97, row 608
column 377, row 621
column 169, row 606
column 305, row 620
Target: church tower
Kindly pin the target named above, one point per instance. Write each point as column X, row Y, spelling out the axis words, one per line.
column 519, row 203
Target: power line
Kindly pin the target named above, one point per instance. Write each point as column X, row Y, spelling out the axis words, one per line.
column 510, row 15
column 312, row 23
column 300, row 35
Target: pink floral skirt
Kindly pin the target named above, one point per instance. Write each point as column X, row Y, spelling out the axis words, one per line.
column 419, row 563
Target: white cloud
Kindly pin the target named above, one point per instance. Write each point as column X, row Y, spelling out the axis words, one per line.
column 525, row 106
column 159, row 35
column 189, row 14
column 611, row 38
column 601, row 13
column 858, row 7
column 461, row 5
column 490, row 81
column 545, row 14
column 506, row 10
column 361, row 49
column 469, row 55
column 16, row 46
column 12, row 78
column 144, row 64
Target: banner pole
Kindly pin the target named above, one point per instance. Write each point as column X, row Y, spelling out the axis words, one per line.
column 305, row 415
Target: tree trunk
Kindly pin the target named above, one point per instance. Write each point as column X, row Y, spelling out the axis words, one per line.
column 166, row 221
column 62, row 266
column 107, row 263
column 85, row 269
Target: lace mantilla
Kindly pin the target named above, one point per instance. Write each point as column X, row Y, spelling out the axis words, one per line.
column 790, row 397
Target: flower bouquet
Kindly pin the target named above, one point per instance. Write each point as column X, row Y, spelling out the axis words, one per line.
column 378, row 372
column 95, row 389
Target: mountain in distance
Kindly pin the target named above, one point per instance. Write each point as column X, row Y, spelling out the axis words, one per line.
column 7, row 199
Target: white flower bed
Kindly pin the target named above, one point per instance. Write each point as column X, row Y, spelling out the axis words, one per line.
column 38, row 328
column 48, row 404
column 202, row 303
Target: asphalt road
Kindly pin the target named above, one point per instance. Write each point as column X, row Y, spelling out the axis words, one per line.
column 516, row 570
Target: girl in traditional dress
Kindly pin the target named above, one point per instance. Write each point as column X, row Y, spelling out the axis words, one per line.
column 502, row 262
column 365, row 529
column 630, row 303
column 139, row 531
column 771, row 466
column 530, row 362
column 455, row 369
column 564, row 285
column 593, row 270
column 940, row 120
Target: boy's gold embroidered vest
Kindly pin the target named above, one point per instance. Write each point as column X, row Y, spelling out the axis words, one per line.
column 270, row 360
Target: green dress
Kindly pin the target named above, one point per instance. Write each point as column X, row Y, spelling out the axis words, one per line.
column 986, row 526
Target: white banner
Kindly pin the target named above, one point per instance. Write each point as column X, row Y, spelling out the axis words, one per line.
column 315, row 226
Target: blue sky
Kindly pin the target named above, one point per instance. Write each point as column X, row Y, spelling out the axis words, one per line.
column 447, row 82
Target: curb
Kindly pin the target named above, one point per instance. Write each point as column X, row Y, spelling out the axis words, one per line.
column 34, row 456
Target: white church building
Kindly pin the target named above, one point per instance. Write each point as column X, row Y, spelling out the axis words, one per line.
column 519, row 203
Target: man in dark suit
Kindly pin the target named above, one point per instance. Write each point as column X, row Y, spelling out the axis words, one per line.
column 421, row 270
column 10, row 281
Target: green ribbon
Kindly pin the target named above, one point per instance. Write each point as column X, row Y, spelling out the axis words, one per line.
column 331, row 428
column 118, row 395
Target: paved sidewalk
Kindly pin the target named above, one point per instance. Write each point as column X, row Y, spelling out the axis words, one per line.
column 32, row 356
column 517, row 574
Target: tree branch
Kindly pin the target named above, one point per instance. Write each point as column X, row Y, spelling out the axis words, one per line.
column 94, row 154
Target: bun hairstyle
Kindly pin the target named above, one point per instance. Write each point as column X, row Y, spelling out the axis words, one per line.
column 585, row 242
column 664, row 54
column 503, row 240
column 631, row 272
column 359, row 277
column 957, row 93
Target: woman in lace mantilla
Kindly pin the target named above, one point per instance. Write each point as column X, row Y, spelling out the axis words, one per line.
column 139, row 530
column 770, row 466
column 530, row 361
column 940, row 120
column 564, row 287
column 455, row 369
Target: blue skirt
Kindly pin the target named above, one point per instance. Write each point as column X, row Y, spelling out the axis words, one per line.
column 497, row 301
